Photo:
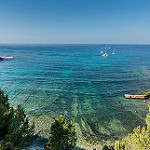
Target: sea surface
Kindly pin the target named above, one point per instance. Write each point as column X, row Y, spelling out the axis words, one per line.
column 78, row 82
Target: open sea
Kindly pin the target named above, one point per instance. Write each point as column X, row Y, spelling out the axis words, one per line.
column 78, row 82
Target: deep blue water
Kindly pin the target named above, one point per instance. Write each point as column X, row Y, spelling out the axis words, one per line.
column 78, row 82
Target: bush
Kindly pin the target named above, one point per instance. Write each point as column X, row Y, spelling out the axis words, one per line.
column 6, row 115
column 63, row 135
column 15, row 130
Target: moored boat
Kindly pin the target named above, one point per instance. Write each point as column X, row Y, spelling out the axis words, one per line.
column 145, row 96
column 105, row 54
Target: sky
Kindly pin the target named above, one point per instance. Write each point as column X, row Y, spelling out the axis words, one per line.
column 75, row 21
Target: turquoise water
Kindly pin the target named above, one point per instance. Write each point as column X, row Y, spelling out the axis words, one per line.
column 76, row 81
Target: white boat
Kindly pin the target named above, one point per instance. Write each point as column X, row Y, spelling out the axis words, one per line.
column 113, row 52
column 5, row 57
column 105, row 54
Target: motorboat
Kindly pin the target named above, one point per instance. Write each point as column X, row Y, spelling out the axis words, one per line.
column 6, row 57
column 105, row 55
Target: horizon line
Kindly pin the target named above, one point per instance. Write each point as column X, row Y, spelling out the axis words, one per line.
column 73, row 44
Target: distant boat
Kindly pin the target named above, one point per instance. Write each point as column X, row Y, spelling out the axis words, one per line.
column 5, row 57
column 102, row 52
column 113, row 52
column 105, row 54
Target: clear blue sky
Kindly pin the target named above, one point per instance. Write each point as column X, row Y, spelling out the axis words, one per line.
column 75, row 21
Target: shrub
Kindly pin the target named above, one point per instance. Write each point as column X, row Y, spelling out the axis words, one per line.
column 6, row 115
column 15, row 130
column 63, row 135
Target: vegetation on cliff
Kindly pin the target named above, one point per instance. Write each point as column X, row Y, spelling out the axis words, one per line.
column 63, row 135
column 15, row 131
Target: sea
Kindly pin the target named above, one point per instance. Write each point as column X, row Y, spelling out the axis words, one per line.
column 78, row 82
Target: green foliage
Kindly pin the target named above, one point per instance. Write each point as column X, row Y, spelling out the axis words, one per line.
column 138, row 140
column 15, row 130
column 108, row 148
column 63, row 135
column 6, row 115
column 4, row 99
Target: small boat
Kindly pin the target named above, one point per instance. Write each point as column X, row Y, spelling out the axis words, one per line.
column 105, row 54
column 113, row 52
column 145, row 96
column 5, row 57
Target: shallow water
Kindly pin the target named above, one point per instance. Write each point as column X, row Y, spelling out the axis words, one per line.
column 76, row 81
